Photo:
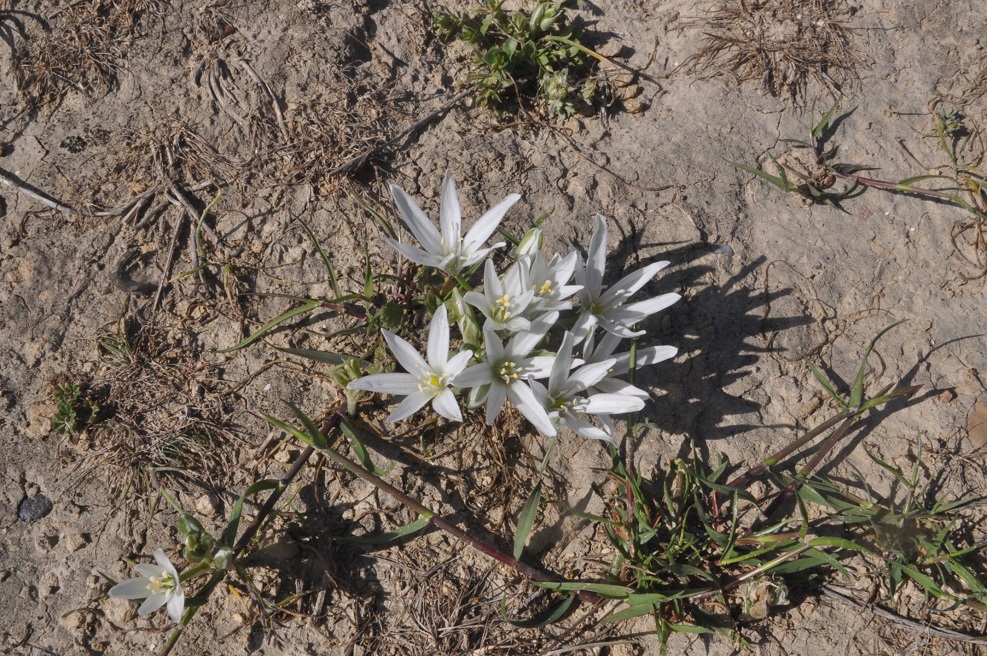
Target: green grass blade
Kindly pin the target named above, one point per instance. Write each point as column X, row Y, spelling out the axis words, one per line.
column 273, row 323
column 325, row 357
column 318, row 440
column 359, row 449
column 857, row 393
column 333, row 281
column 388, row 536
column 607, row 590
column 781, row 183
column 526, row 520
column 551, row 616
column 229, row 535
column 821, row 125
column 828, row 386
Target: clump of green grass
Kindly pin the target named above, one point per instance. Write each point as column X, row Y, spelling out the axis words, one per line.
column 525, row 57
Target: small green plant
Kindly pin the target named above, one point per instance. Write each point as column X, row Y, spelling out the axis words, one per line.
column 524, row 56
column 74, row 411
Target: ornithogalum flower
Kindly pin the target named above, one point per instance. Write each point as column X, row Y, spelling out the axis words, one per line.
column 425, row 380
column 502, row 304
column 605, row 306
column 159, row 585
column 563, row 398
column 597, row 350
column 446, row 248
column 504, row 372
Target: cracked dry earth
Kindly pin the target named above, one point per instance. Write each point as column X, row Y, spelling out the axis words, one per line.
column 270, row 106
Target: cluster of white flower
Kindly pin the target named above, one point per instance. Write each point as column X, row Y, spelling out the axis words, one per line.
column 521, row 307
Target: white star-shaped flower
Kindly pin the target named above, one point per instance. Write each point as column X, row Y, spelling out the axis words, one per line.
column 446, row 248
column 563, row 399
column 605, row 306
column 159, row 585
column 505, row 371
column 424, row 381
column 501, row 302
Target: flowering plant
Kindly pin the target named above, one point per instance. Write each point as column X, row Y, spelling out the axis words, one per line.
column 521, row 308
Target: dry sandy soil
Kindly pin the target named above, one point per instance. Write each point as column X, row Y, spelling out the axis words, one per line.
column 104, row 102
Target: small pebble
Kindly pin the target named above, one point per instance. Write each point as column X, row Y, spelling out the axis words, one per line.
column 34, row 508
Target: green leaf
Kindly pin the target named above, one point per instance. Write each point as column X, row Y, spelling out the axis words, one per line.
column 277, row 423
column 359, row 449
column 821, row 125
column 857, row 393
column 526, row 520
column 324, row 357
column 389, row 536
column 781, row 183
column 551, row 616
column 824, row 381
column 318, row 439
column 630, row 612
column 607, row 590
column 267, row 327
column 229, row 535
column 333, row 281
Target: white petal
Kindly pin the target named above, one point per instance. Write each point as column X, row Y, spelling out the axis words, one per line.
column 645, row 308
column 474, row 376
column 148, row 570
column 386, row 384
column 614, row 386
column 450, row 218
column 176, row 605
column 409, row 406
column 405, row 354
column 539, row 366
column 596, row 259
column 416, row 255
column 415, row 219
column 477, row 256
column 131, row 589
column 445, row 404
column 629, row 284
column 487, row 224
column 495, row 400
column 584, row 324
column 523, row 342
column 152, row 603
column 540, row 392
column 588, row 375
column 611, row 404
column 438, row 339
column 524, row 399
column 586, row 429
column 457, row 363
column 563, row 363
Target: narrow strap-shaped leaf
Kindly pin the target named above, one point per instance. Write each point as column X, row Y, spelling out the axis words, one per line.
column 857, row 393
column 229, row 535
column 551, row 616
column 318, row 440
column 359, row 449
column 266, row 328
column 389, row 536
column 526, row 520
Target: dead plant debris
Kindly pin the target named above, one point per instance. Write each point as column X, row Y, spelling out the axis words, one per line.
column 783, row 43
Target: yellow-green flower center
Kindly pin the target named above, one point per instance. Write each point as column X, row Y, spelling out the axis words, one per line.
column 502, row 311
column 430, row 380
column 509, row 372
column 163, row 584
column 545, row 289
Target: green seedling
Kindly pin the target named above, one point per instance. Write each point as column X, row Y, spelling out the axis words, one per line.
column 74, row 410
column 525, row 56
column 816, row 176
